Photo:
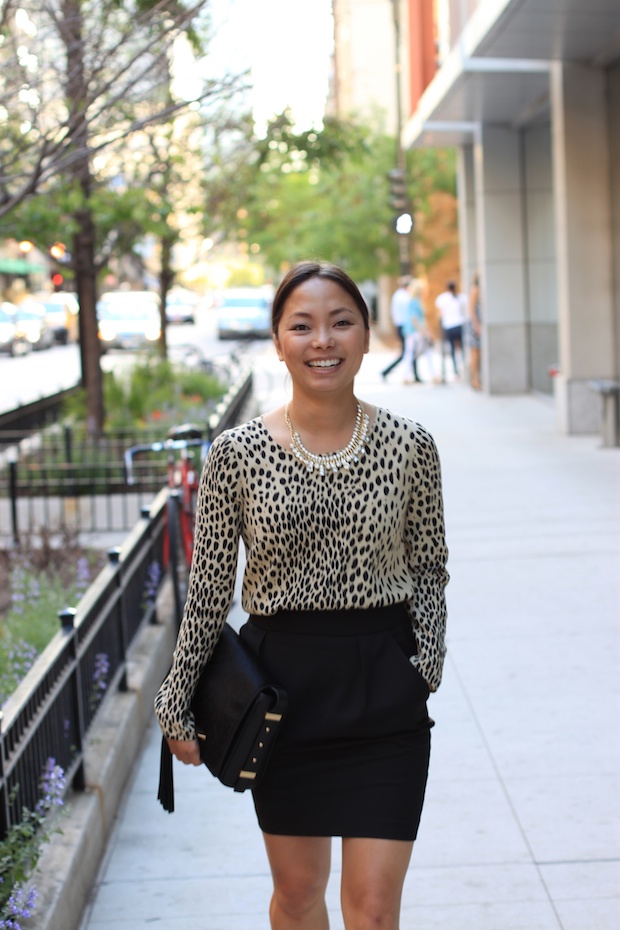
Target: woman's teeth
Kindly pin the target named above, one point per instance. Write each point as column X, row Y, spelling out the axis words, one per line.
column 325, row 363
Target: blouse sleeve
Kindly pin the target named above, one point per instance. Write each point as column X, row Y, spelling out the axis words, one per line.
column 428, row 555
column 211, row 586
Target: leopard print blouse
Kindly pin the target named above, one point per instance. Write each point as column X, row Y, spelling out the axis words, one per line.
column 362, row 537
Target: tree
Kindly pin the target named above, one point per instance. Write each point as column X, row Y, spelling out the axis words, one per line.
column 79, row 77
column 321, row 193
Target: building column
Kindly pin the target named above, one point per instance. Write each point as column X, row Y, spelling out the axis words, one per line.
column 582, row 198
column 467, row 215
column 500, row 250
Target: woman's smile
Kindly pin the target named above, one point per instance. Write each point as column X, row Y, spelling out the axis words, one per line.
column 324, row 363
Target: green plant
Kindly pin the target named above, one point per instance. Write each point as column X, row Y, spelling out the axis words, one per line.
column 37, row 583
column 21, row 848
column 153, row 391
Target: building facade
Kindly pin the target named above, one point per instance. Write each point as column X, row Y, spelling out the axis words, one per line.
column 529, row 92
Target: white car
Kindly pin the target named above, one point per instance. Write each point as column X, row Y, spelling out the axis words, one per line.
column 128, row 319
column 244, row 311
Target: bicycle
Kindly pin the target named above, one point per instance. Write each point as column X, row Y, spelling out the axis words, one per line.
column 183, row 479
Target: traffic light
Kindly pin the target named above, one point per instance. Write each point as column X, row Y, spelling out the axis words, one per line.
column 57, row 280
column 398, row 190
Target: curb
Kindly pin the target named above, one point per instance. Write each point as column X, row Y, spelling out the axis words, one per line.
column 69, row 865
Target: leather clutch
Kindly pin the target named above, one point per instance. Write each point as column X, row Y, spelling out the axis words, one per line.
column 238, row 711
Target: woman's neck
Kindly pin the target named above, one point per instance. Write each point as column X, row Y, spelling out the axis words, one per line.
column 324, row 423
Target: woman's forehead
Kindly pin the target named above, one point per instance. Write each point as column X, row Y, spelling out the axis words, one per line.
column 320, row 293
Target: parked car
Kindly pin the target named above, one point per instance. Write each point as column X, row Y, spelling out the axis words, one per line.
column 30, row 324
column 244, row 311
column 128, row 319
column 10, row 340
column 61, row 313
column 181, row 306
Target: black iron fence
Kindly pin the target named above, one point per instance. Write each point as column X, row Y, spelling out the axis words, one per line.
column 65, row 479
column 50, row 713
column 53, row 708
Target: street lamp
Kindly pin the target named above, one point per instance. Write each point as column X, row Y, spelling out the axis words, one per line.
column 398, row 176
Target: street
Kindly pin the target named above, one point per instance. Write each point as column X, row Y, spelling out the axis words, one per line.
column 27, row 378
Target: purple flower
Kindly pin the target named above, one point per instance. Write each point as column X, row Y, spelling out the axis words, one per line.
column 52, row 785
column 18, row 905
column 151, row 585
column 82, row 575
column 100, row 679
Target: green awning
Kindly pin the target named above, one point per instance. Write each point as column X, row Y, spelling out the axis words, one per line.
column 20, row 266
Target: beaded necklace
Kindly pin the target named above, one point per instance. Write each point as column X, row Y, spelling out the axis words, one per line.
column 331, row 461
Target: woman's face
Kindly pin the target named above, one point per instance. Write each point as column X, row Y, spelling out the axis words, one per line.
column 321, row 336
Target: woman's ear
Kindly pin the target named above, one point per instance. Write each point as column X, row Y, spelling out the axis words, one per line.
column 278, row 349
column 367, row 342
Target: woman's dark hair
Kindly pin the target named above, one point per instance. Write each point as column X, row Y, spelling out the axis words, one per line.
column 304, row 271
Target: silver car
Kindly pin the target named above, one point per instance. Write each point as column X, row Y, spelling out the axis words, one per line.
column 244, row 311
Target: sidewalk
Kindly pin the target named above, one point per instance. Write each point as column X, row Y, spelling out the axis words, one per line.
column 521, row 828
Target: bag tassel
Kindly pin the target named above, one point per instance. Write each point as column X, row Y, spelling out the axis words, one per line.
column 165, row 794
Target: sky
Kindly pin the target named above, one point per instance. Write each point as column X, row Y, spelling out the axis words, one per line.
column 287, row 49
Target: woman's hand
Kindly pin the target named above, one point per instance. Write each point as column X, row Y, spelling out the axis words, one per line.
column 186, row 750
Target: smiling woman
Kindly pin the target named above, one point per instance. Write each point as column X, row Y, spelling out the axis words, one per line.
column 339, row 506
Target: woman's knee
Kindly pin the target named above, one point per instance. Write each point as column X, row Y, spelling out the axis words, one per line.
column 300, row 872
column 296, row 892
column 370, row 909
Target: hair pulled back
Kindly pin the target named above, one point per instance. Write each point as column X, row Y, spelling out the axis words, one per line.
column 303, row 271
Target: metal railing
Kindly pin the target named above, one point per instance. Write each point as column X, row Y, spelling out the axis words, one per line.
column 50, row 713
column 60, row 479
column 53, row 708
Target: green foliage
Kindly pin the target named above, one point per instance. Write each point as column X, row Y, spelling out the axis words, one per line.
column 21, row 849
column 152, row 392
column 39, row 583
column 323, row 194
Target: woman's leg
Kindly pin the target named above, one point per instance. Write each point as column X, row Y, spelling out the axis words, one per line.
column 373, row 874
column 408, row 356
column 300, row 868
column 475, row 368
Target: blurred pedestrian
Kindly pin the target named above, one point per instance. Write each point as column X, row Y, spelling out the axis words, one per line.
column 415, row 332
column 344, row 584
column 398, row 311
column 474, row 331
column 452, row 308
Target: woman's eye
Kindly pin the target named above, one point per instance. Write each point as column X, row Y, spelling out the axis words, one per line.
column 299, row 326
column 343, row 323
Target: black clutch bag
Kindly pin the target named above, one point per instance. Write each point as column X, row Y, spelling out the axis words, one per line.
column 238, row 711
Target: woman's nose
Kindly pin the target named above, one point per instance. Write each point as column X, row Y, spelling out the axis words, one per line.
column 323, row 337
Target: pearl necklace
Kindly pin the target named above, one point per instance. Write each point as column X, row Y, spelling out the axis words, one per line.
column 331, row 461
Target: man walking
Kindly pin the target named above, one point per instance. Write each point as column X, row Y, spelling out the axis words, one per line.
column 452, row 309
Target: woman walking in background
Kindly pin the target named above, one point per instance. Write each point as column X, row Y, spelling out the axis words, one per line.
column 339, row 505
column 417, row 338
column 474, row 330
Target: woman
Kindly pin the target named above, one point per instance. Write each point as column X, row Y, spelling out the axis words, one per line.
column 417, row 340
column 474, row 333
column 344, row 584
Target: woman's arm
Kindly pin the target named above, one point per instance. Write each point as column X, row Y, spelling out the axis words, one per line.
column 428, row 555
column 211, row 587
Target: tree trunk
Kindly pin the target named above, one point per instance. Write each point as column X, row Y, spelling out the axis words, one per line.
column 90, row 352
column 166, row 279
column 71, row 28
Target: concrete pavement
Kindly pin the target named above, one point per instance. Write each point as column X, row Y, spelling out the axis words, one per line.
column 521, row 828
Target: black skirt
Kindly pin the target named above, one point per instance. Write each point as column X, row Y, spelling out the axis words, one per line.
column 352, row 758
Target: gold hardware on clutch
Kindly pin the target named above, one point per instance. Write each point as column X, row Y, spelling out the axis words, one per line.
column 270, row 716
column 201, row 736
column 244, row 774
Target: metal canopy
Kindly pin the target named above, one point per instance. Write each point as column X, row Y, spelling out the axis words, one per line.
column 498, row 71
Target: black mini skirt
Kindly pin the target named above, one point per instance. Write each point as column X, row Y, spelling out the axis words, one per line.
column 352, row 757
